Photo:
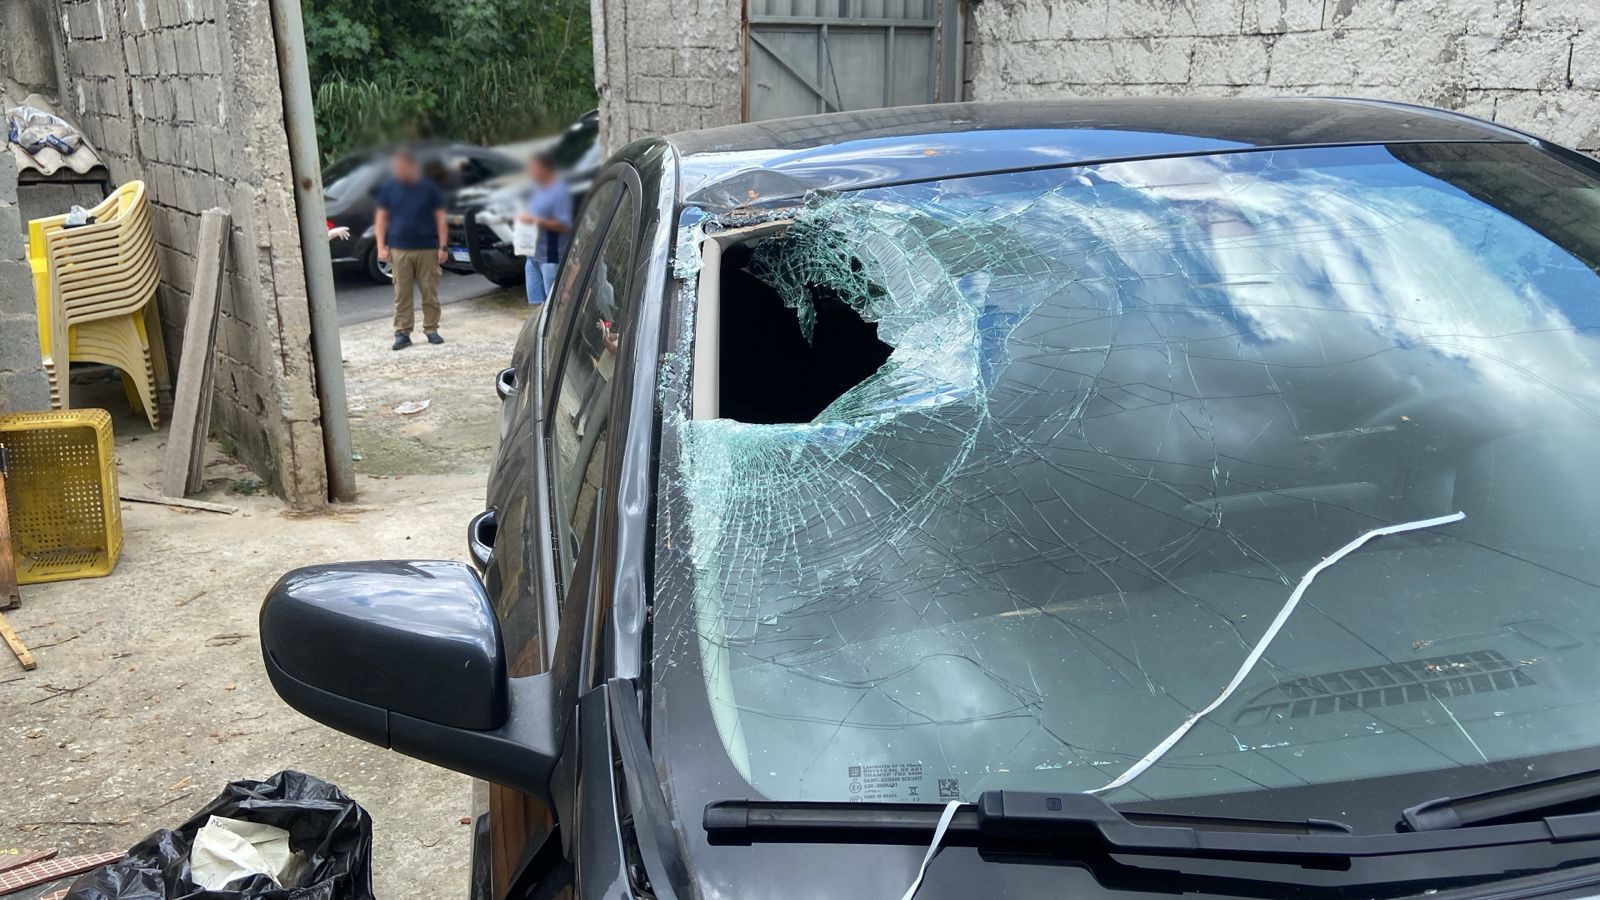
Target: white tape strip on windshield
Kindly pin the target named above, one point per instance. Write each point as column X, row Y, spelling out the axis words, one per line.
column 938, row 835
column 1261, row 646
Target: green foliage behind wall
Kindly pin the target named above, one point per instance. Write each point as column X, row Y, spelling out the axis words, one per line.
column 486, row 71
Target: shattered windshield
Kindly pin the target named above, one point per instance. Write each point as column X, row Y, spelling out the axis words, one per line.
column 1024, row 480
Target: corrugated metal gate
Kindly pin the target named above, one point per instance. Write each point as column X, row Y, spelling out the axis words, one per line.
column 812, row 56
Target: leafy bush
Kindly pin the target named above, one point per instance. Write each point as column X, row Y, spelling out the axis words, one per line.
column 354, row 114
column 486, row 71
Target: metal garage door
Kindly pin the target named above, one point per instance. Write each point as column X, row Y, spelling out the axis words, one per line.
column 812, row 56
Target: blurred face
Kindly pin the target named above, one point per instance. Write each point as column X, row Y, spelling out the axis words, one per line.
column 539, row 171
column 404, row 167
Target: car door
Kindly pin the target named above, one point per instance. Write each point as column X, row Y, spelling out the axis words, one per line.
column 579, row 415
column 556, row 371
column 511, row 548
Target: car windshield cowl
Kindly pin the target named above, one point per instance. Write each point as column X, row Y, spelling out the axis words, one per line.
column 1027, row 481
column 1078, row 823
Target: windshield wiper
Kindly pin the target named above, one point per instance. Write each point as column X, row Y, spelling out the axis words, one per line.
column 1504, row 804
column 1022, row 818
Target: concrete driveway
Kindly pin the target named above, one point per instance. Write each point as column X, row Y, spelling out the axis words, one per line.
column 150, row 694
column 360, row 300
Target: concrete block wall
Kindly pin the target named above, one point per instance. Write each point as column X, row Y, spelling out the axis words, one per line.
column 184, row 94
column 23, row 386
column 1531, row 64
column 666, row 65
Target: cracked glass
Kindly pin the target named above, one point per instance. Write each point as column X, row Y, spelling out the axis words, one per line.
column 1126, row 409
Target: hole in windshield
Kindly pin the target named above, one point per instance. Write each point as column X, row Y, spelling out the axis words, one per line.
column 788, row 354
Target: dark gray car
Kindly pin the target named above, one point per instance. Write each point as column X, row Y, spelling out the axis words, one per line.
column 1129, row 498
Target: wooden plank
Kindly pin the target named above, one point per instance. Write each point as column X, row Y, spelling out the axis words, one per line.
column 191, row 404
column 180, row 502
column 16, row 645
column 9, row 598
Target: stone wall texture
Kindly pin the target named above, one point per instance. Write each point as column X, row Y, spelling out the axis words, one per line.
column 666, row 65
column 1530, row 64
column 184, row 94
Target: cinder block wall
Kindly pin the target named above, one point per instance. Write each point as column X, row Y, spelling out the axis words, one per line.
column 23, row 386
column 185, row 95
column 1531, row 64
column 22, row 381
column 666, row 65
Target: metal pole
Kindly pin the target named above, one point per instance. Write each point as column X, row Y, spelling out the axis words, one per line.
column 300, row 125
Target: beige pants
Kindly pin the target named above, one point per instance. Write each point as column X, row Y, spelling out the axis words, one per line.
column 420, row 268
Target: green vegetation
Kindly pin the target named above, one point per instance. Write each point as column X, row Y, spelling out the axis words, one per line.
column 486, row 71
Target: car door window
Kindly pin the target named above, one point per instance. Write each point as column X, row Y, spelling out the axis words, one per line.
column 468, row 171
column 349, row 176
column 493, row 166
column 591, row 225
column 476, row 169
column 580, row 411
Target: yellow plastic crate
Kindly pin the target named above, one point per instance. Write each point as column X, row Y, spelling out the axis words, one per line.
column 66, row 521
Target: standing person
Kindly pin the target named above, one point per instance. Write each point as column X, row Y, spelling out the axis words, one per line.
column 412, row 236
column 550, row 208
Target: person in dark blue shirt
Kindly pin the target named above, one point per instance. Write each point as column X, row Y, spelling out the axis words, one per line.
column 412, row 236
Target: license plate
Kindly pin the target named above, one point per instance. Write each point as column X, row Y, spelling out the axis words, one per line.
column 460, row 254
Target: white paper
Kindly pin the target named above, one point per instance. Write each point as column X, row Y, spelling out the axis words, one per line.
column 525, row 239
column 229, row 849
column 1150, row 759
column 933, row 847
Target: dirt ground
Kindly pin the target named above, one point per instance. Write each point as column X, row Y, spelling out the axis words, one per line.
column 150, row 694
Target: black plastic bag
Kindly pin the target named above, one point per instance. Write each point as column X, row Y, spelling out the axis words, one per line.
column 333, row 831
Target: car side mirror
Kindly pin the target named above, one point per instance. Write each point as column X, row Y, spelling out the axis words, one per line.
column 408, row 655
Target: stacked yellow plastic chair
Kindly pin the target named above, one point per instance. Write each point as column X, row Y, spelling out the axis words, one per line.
column 93, row 286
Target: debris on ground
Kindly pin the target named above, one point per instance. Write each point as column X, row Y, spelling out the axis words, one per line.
column 233, row 849
column 412, row 407
column 180, row 502
column 15, row 643
column 238, row 847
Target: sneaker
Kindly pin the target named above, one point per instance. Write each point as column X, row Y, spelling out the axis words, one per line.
column 401, row 340
column 433, row 338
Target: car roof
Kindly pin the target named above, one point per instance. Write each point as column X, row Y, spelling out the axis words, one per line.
column 758, row 163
